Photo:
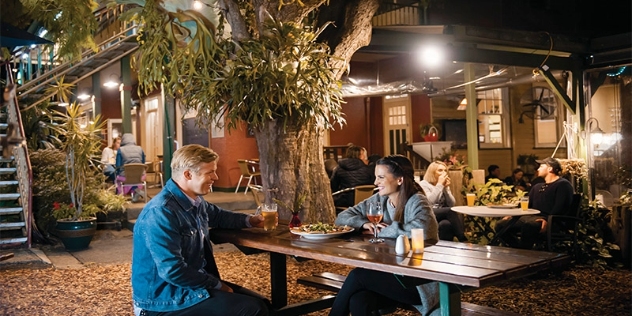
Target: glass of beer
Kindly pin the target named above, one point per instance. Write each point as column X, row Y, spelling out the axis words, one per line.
column 270, row 216
column 524, row 204
column 471, row 197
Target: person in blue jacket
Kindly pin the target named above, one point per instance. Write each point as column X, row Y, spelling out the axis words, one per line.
column 173, row 268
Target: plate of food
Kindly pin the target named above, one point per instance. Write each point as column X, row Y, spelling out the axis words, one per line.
column 502, row 205
column 320, row 231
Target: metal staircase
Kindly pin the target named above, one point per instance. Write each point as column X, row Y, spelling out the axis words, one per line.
column 121, row 44
column 16, row 213
column 91, row 62
column 15, row 182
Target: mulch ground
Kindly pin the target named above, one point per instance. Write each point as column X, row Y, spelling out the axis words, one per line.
column 106, row 290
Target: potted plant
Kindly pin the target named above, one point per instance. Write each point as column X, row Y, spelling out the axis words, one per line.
column 494, row 192
column 80, row 142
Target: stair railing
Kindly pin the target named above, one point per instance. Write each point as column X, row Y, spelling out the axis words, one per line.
column 105, row 16
column 24, row 173
column 417, row 160
column 53, row 74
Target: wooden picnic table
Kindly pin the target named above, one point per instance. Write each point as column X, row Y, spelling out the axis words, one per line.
column 456, row 266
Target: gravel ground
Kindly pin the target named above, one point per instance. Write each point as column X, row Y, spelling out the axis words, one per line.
column 106, row 290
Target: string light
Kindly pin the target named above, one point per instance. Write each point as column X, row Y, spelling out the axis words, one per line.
column 621, row 70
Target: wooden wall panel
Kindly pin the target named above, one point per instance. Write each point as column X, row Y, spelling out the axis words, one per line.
column 356, row 129
column 420, row 112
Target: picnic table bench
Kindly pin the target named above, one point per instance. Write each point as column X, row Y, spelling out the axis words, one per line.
column 456, row 266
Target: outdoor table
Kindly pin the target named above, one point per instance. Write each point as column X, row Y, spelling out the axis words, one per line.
column 456, row 266
column 486, row 211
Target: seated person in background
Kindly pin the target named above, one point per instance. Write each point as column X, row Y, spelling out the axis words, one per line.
column 405, row 207
column 494, row 173
column 129, row 152
column 351, row 171
column 436, row 185
column 108, row 158
column 173, row 268
column 552, row 197
column 517, row 181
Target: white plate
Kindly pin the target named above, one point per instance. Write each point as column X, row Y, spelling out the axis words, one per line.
column 318, row 236
column 503, row 206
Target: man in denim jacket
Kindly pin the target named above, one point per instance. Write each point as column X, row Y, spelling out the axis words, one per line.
column 171, row 274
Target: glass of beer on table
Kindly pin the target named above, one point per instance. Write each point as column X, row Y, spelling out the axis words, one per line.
column 270, row 216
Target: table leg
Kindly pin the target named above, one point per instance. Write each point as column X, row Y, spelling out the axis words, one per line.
column 498, row 235
column 449, row 299
column 278, row 279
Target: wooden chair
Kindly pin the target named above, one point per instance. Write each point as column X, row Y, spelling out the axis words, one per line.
column 363, row 192
column 248, row 172
column 360, row 193
column 256, row 191
column 134, row 173
column 565, row 227
column 155, row 168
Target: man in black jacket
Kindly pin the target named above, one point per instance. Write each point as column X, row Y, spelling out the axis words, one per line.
column 553, row 197
column 351, row 171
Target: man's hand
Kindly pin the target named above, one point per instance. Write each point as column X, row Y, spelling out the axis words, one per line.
column 544, row 223
column 257, row 220
column 507, row 218
column 225, row 287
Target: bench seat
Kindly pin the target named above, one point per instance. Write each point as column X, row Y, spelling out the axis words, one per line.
column 333, row 282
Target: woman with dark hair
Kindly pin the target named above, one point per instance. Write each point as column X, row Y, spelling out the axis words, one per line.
column 516, row 179
column 405, row 207
column 436, row 185
column 350, row 172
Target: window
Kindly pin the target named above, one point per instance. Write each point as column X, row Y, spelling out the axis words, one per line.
column 547, row 119
column 493, row 118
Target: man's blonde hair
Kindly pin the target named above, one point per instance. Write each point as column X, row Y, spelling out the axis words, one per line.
column 191, row 157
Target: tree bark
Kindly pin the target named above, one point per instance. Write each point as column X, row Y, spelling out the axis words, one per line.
column 291, row 165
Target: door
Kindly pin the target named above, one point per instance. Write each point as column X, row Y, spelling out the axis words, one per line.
column 152, row 144
column 397, row 122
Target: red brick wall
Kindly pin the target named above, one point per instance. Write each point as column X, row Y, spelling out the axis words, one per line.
column 234, row 145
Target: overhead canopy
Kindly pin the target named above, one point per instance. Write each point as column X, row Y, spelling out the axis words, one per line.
column 11, row 36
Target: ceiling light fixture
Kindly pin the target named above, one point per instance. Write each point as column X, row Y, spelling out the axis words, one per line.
column 112, row 82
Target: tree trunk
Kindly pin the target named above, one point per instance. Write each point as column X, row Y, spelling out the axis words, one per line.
column 291, row 165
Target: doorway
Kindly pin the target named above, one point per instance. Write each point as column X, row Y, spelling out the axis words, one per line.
column 152, row 144
column 397, row 122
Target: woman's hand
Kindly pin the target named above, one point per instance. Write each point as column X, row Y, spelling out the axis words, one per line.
column 444, row 180
column 368, row 227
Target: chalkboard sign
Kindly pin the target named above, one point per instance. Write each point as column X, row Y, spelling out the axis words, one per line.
column 455, row 131
column 192, row 134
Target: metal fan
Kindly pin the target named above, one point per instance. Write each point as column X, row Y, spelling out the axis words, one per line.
column 539, row 102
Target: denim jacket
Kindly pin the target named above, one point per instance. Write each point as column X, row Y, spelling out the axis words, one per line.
column 168, row 255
